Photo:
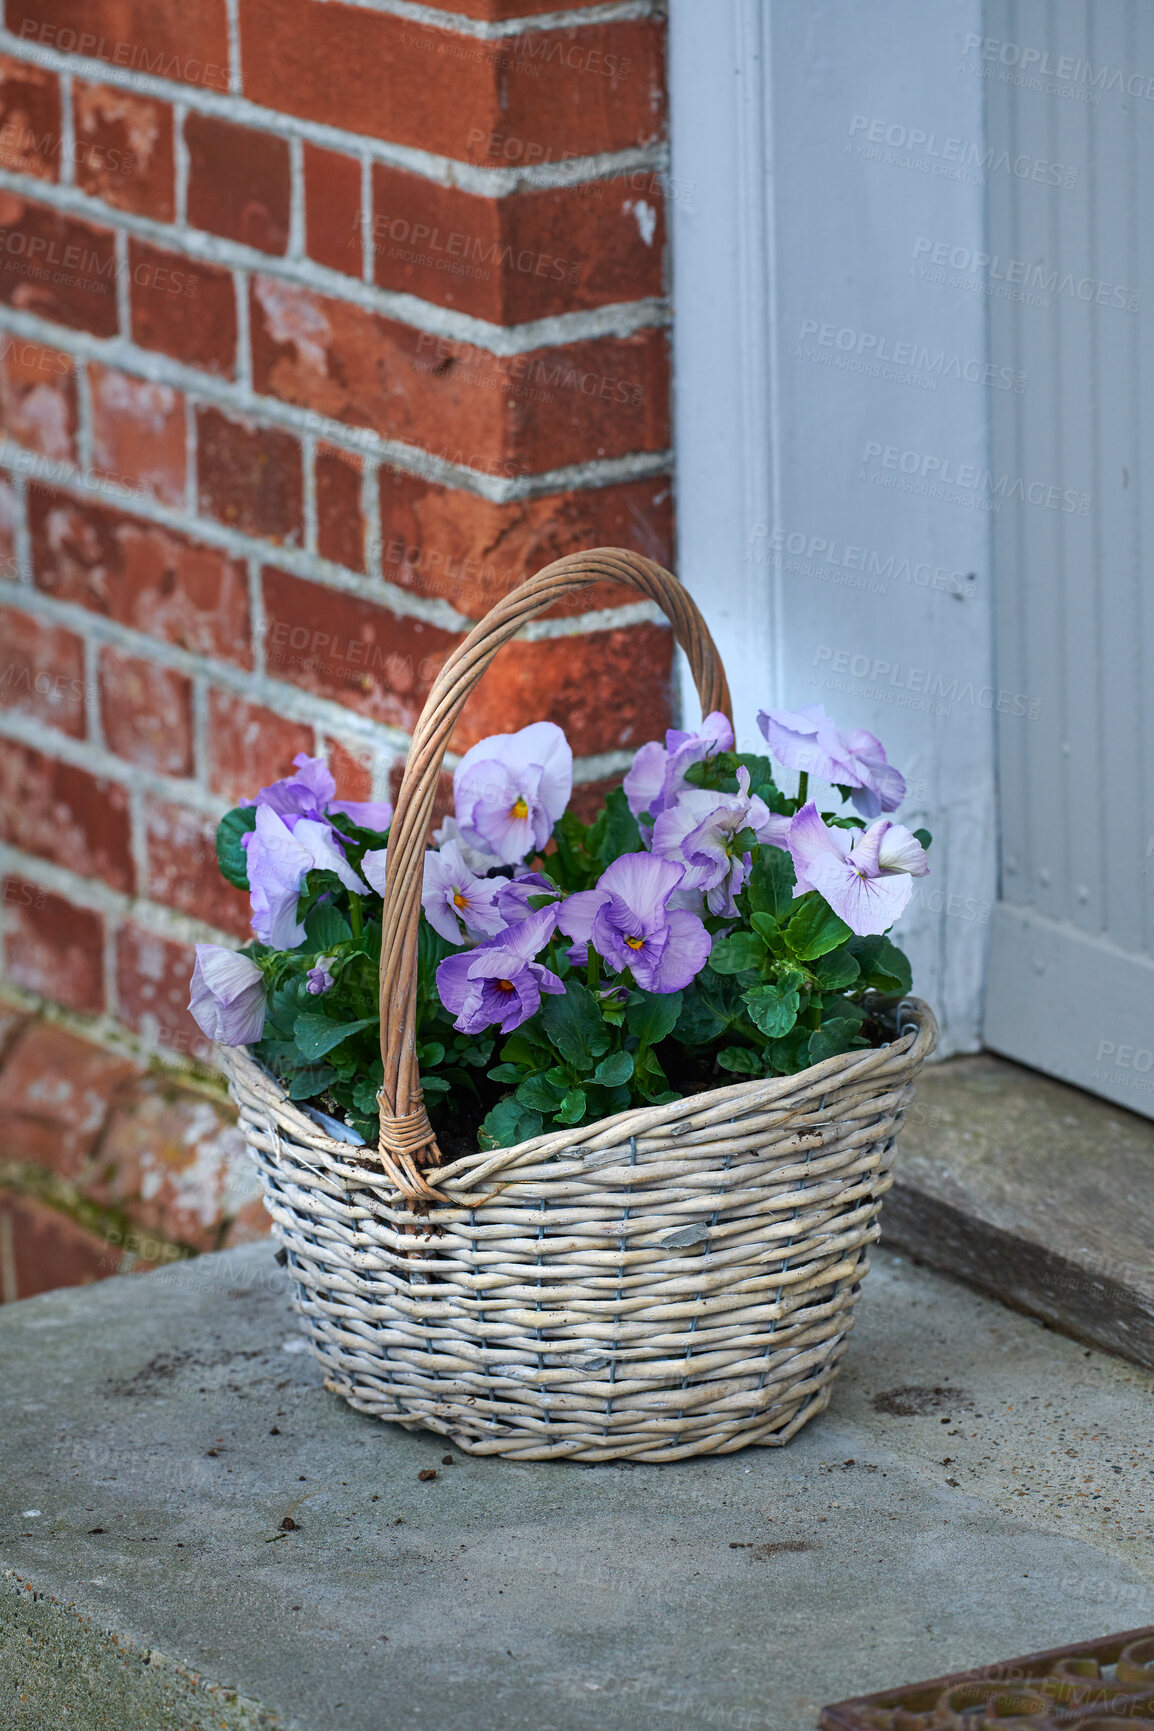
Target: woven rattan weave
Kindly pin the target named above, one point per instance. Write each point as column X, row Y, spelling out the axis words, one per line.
column 671, row 1281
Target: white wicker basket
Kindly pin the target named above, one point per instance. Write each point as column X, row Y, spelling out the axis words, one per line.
column 671, row 1281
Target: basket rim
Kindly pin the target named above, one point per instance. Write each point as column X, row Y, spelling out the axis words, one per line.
column 916, row 1037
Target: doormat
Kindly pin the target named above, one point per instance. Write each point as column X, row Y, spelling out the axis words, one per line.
column 1090, row 1686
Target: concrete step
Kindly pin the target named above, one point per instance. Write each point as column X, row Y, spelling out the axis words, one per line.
column 1034, row 1192
column 979, row 1487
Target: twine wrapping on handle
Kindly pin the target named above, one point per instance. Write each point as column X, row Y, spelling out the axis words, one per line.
column 407, row 1142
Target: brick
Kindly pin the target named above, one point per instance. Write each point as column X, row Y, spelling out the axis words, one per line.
column 45, row 1250
column 138, row 433
column 239, row 182
column 340, row 520
column 77, row 260
column 29, row 119
column 53, row 948
column 250, row 476
column 353, row 651
column 493, row 10
column 124, row 149
column 152, row 989
column 13, row 1017
column 589, row 796
column 146, row 711
column 182, row 869
column 142, row 575
column 609, row 690
column 65, row 814
column 442, row 541
column 251, row 1225
column 508, row 415
column 175, row 1163
column 42, row 671
column 11, row 517
column 167, row 38
column 351, row 769
column 38, row 397
column 55, row 1093
column 549, row 94
column 527, row 256
column 333, row 209
column 183, row 308
column 250, row 746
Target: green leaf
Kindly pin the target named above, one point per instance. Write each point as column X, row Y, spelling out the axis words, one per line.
column 230, row 854
column 612, row 1071
column 366, row 1089
column 603, row 1102
column 839, row 1035
column 835, row 970
column 313, row 1079
column 652, row 1015
column 541, row 1093
column 614, row 831
column 326, row 927
column 742, row 1059
column 507, row 1124
column 815, row 929
column 572, row 1108
column 883, row 966
column 650, row 1079
column 574, row 1025
column 924, row 836
column 767, row 926
column 435, row 1085
column 316, row 1035
column 774, row 1008
column 506, row 1073
column 791, row 1053
column 526, row 1053
column 771, row 883
column 430, row 1053
column 737, row 953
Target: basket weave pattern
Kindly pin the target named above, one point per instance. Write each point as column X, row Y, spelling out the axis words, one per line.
column 671, row 1281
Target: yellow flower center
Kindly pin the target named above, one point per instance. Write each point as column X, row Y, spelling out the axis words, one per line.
column 504, row 985
column 520, row 807
column 460, row 901
column 635, row 943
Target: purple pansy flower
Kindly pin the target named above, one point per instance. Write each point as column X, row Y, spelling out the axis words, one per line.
column 867, row 883
column 658, row 772
column 511, row 788
column 310, row 792
column 279, row 859
column 499, row 981
column 228, row 997
column 478, row 860
column 454, row 897
column 629, row 922
column 319, row 977
column 809, row 741
column 513, row 895
column 699, row 831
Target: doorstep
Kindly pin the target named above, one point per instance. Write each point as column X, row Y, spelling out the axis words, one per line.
column 979, row 1487
column 1032, row 1191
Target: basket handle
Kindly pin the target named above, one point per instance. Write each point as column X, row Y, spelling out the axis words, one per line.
column 407, row 1140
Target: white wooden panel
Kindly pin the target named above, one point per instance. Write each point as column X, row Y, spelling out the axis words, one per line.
column 795, row 234
column 1072, row 967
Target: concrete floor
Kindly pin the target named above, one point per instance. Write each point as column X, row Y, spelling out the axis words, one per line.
column 980, row 1487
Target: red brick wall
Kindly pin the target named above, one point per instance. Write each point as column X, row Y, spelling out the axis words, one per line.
column 320, row 328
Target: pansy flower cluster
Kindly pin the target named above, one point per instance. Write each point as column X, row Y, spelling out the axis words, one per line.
column 704, row 928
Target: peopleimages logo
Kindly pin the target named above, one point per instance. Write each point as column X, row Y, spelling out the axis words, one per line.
column 872, row 347
column 946, row 157
column 1037, row 278
column 1066, row 68
column 922, row 471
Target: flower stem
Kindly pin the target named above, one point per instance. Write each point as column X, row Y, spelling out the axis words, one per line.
column 593, row 972
column 355, row 919
column 802, row 788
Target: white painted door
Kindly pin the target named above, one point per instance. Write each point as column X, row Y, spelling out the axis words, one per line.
column 1069, row 90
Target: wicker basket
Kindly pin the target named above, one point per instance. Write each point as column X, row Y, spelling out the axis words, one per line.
column 672, row 1281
